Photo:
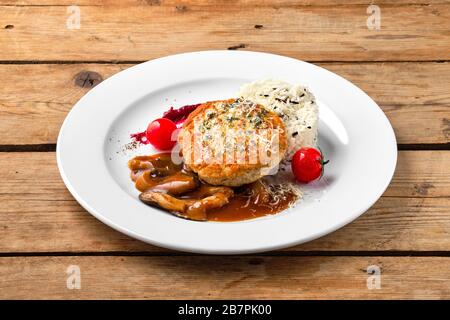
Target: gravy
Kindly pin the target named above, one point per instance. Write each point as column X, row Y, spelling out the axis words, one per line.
column 158, row 173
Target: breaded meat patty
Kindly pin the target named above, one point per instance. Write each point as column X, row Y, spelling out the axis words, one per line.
column 232, row 142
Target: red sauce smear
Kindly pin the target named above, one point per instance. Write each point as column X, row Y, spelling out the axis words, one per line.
column 176, row 115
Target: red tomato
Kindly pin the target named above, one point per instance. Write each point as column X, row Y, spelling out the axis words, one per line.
column 307, row 164
column 159, row 133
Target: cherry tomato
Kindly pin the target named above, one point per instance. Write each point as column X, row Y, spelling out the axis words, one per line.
column 159, row 133
column 307, row 164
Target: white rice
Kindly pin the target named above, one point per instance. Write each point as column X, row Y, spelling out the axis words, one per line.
column 293, row 103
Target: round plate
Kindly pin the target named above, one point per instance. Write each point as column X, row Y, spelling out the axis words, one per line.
column 354, row 134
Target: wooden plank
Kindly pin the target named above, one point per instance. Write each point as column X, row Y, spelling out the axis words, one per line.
column 37, row 207
column 200, row 277
column 393, row 224
column 247, row 3
column 415, row 97
column 142, row 32
column 409, row 93
column 39, row 105
column 420, row 173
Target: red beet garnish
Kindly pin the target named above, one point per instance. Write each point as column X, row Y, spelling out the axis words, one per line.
column 140, row 137
column 179, row 114
column 176, row 115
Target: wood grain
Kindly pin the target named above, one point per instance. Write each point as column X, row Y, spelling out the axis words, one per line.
column 421, row 174
column 146, row 31
column 225, row 278
column 415, row 97
column 39, row 215
column 224, row 3
column 39, row 105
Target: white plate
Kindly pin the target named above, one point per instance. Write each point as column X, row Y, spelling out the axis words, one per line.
column 353, row 133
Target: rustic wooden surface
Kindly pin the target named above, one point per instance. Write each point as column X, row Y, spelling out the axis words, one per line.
column 415, row 96
column 200, row 277
column 45, row 68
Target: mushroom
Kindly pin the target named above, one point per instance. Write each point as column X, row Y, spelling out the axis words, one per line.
column 159, row 165
column 195, row 208
column 175, row 184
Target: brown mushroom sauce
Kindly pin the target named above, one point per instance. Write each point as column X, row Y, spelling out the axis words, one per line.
column 179, row 191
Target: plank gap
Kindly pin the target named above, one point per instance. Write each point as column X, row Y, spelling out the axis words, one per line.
column 423, row 146
column 71, row 62
column 314, row 253
column 51, row 147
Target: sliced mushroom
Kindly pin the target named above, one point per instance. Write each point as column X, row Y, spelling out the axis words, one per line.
column 166, row 201
column 175, row 184
column 159, row 164
column 195, row 208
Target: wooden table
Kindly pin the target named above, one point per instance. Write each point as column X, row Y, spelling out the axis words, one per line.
column 46, row 65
